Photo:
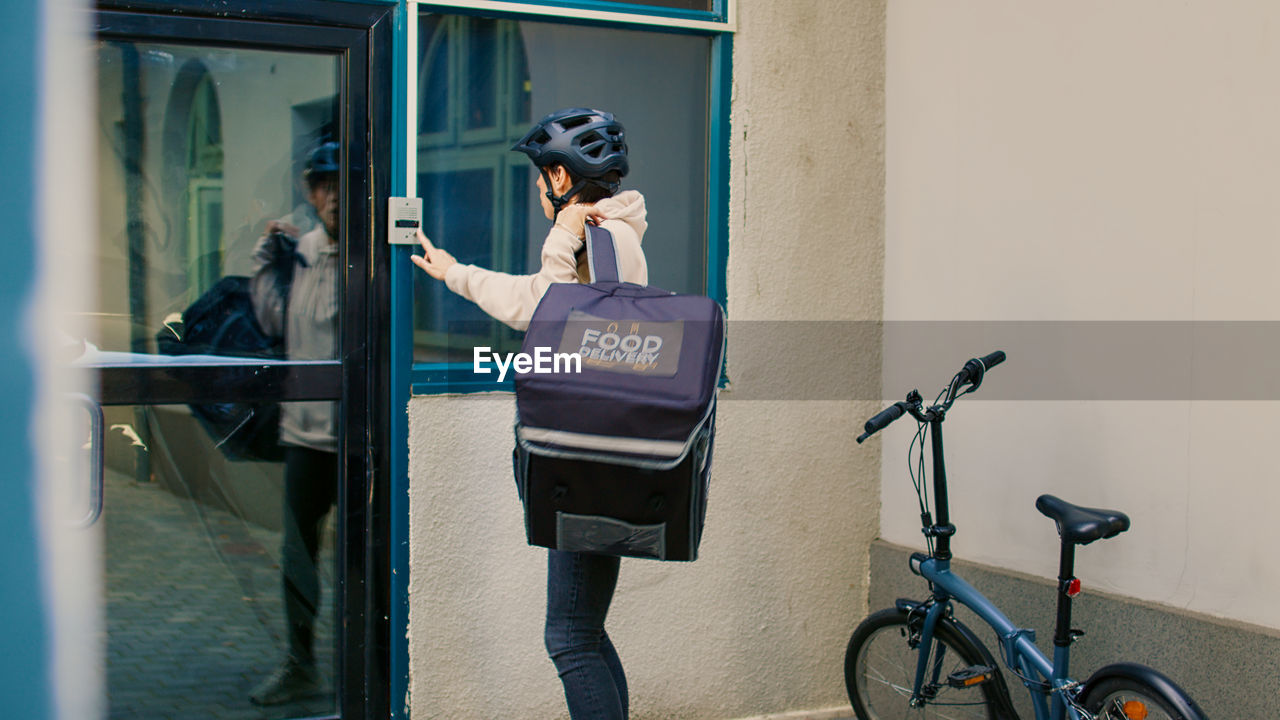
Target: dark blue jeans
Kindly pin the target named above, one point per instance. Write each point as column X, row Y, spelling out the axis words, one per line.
column 579, row 590
column 310, row 489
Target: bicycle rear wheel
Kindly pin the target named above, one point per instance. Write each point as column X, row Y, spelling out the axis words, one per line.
column 880, row 669
column 1123, row 698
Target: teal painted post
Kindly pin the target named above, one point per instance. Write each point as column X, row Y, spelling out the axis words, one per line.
column 401, row 369
column 718, row 175
column 24, row 666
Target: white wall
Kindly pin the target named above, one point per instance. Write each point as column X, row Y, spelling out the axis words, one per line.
column 759, row 623
column 1090, row 161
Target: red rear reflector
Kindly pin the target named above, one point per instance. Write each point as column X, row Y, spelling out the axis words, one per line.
column 1073, row 587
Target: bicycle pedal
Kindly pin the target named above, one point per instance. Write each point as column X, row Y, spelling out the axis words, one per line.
column 970, row 676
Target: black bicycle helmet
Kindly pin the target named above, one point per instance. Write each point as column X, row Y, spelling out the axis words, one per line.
column 590, row 144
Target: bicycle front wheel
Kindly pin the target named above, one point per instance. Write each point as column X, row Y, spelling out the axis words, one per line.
column 880, row 670
column 1125, row 698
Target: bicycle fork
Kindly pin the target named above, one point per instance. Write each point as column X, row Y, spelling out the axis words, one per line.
column 927, row 650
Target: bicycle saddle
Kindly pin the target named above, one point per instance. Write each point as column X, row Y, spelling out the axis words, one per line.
column 1082, row 525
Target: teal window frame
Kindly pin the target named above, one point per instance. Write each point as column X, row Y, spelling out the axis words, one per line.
column 614, row 12
column 426, row 379
column 28, row 680
column 439, row 378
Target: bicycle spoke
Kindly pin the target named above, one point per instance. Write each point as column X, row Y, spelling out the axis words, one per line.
column 885, row 675
column 900, row 689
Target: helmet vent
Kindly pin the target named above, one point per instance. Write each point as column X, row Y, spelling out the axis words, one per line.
column 573, row 122
column 592, row 145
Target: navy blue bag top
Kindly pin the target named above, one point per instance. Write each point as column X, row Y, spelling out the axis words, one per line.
column 613, row 455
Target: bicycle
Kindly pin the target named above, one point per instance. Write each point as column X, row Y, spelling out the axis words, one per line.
column 917, row 660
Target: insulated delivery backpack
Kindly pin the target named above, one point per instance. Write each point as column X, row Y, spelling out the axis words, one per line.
column 613, row 455
column 222, row 322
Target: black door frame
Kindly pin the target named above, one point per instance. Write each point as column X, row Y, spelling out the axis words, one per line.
column 360, row 34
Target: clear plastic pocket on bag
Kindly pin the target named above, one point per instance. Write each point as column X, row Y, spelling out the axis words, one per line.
column 597, row 534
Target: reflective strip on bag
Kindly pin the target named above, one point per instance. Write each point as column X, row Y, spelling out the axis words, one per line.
column 604, row 443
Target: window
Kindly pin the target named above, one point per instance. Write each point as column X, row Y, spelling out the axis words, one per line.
column 475, row 95
column 705, row 6
column 204, row 185
column 712, row 16
column 481, row 82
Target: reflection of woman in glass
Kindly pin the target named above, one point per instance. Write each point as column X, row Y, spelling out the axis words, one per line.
column 581, row 156
column 307, row 318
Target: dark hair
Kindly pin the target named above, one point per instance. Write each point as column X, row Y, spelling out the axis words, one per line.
column 594, row 192
column 316, row 179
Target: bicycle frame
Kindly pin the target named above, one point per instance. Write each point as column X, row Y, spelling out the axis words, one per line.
column 1018, row 648
column 1054, row 695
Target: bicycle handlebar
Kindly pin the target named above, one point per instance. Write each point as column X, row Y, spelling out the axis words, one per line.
column 972, row 373
column 882, row 420
column 973, row 370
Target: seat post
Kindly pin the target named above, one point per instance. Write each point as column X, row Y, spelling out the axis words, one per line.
column 1066, row 573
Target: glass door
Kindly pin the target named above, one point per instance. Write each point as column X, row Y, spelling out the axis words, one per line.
column 229, row 340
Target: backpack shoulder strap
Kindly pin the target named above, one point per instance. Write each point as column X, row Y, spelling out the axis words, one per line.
column 602, row 255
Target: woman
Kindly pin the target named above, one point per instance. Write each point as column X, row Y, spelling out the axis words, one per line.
column 581, row 156
column 307, row 318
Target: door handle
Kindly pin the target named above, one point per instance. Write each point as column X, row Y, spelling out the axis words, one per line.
column 97, row 457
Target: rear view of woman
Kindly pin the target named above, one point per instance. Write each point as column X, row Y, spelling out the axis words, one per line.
column 581, row 157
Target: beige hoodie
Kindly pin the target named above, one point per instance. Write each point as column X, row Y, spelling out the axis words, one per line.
column 310, row 328
column 512, row 298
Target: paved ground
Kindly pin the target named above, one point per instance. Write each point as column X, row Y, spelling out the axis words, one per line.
column 194, row 611
column 194, row 616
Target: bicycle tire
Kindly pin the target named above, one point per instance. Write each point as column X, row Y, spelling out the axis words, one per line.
column 880, row 668
column 1107, row 700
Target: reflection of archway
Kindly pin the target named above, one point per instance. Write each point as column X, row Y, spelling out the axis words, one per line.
column 192, row 155
column 474, row 104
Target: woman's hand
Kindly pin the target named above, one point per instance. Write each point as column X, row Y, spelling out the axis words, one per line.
column 279, row 226
column 434, row 261
column 572, row 217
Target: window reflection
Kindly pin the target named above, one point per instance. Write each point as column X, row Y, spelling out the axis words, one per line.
column 483, row 98
column 194, row 610
column 218, row 187
column 482, row 84
column 433, row 84
column 199, row 150
column 703, row 5
column 465, row 169
column 202, row 171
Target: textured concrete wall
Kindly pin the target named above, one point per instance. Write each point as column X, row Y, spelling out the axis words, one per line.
column 758, row 624
column 1093, row 162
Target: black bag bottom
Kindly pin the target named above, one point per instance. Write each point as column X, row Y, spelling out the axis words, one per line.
column 596, row 507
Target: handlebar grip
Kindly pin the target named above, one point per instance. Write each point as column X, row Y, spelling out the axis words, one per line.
column 973, row 370
column 992, row 360
column 882, row 420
